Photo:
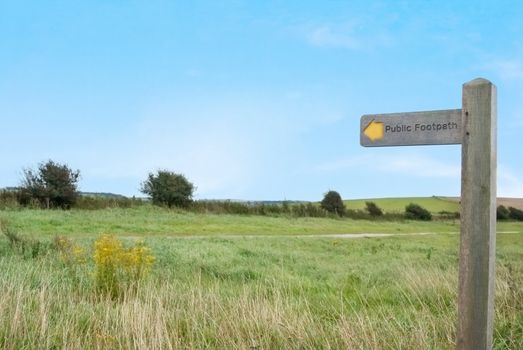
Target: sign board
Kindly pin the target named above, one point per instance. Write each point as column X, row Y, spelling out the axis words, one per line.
column 474, row 128
column 413, row 128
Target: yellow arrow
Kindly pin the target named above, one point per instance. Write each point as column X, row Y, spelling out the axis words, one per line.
column 374, row 131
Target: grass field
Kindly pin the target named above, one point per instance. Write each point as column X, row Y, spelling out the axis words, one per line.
column 247, row 292
column 433, row 204
column 148, row 220
column 397, row 205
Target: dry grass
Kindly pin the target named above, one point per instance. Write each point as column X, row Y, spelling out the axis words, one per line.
column 395, row 293
column 173, row 317
column 250, row 293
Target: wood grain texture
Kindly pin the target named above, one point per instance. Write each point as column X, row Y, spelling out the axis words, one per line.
column 478, row 217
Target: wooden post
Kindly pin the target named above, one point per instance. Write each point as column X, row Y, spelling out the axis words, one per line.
column 478, row 217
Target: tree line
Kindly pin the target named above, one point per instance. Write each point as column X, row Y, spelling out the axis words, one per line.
column 55, row 186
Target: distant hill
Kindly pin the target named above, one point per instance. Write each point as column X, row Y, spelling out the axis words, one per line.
column 397, row 205
column 102, row 195
column 505, row 201
column 434, row 204
column 84, row 194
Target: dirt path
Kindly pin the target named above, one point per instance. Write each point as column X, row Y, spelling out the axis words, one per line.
column 334, row 235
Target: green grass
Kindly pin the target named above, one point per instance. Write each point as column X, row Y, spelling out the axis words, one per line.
column 262, row 293
column 397, row 205
column 240, row 282
column 148, row 220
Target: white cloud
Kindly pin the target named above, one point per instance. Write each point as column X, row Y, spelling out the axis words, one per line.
column 214, row 154
column 406, row 164
column 225, row 145
column 510, row 184
column 422, row 167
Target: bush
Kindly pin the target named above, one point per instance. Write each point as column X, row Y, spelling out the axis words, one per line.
column 515, row 213
column 53, row 185
column 9, row 199
column 357, row 214
column 373, row 209
column 333, row 203
column 118, row 268
column 417, row 212
column 100, row 202
column 168, row 188
column 254, row 208
column 502, row 213
column 309, row 210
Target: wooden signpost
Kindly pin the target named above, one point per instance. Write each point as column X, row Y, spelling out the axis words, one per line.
column 474, row 127
column 413, row 128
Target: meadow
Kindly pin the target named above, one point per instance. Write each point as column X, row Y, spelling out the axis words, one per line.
column 149, row 221
column 397, row 205
column 246, row 282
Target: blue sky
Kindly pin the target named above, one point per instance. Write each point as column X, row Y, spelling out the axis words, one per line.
column 251, row 99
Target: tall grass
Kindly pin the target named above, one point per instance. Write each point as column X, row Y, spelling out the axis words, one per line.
column 171, row 315
column 253, row 293
column 149, row 220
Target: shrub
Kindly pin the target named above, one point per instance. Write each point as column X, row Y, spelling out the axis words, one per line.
column 417, row 212
column 168, row 188
column 53, row 185
column 333, row 203
column 515, row 213
column 373, row 209
column 9, row 199
column 100, row 202
column 502, row 213
column 256, row 208
column 309, row 210
column 357, row 214
column 117, row 268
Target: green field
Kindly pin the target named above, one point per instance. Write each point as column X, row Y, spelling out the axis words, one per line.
column 246, row 282
column 149, row 220
column 397, row 205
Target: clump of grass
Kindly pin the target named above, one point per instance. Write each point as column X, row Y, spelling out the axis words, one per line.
column 20, row 244
column 508, row 333
column 118, row 268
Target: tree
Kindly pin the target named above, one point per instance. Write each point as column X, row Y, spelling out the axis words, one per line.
column 168, row 188
column 502, row 213
column 333, row 203
column 417, row 212
column 516, row 214
column 373, row 209
column 53, row 185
